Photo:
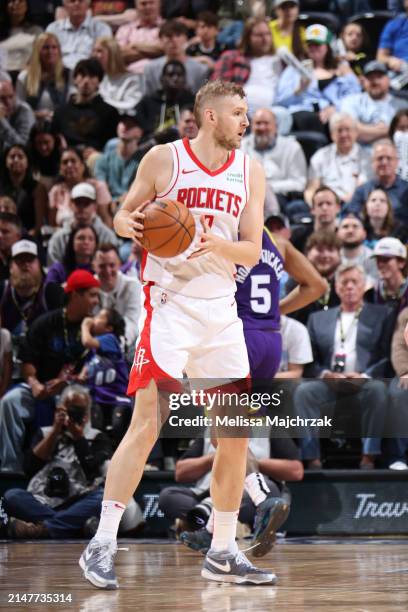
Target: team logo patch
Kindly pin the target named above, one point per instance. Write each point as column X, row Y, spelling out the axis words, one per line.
column 140, row 360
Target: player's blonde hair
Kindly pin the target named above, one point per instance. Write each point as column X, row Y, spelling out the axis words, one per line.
column 211, row 90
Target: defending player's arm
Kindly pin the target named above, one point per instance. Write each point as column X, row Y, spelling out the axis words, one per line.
column 246, row 251
column 128, row 221
column 310, row 284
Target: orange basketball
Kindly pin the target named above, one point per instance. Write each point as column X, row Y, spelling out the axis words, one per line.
column 169, row 228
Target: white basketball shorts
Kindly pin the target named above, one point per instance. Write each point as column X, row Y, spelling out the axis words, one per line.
column 203, row 338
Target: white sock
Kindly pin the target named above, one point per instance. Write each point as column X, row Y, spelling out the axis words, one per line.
column 256, row 487
column 210, row 523
column 225, row 529
column 111, row 514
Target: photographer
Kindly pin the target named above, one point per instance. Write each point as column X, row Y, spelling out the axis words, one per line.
column 65, row 464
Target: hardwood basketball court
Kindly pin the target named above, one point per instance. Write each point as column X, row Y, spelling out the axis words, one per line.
column 314, row 575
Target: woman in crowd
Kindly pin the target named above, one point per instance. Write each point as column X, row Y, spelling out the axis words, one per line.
column 72, row 171
column 44, row 83
column 378, row 219
column 119, row 88
column 17, row 182
column 312, row 102
column 17, row 33
column 399, row 135
column 286, row 30
column 45, row 149
column 79, row 252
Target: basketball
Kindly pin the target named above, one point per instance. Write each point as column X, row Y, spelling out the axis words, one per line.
column 169, row 228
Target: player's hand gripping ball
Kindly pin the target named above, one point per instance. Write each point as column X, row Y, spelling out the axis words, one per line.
column 168, row 228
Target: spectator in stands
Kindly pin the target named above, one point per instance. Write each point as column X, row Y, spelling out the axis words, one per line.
column 396, row 448
column 296, row 349
column 392, row 286
column 205, row 48
column 352, row 235
column 139, row 39
column 65, row 466
column 8, row 205
column 323, row 251
column 52, row 355
column 11, row 231
column 186, row 128
column 106, row 372
column 281, row 156
column 123, row 293
column 342, row 165
column 26, row 296
column 44, row 83
column 385, row 164
column 353, row 46
column 173, row 38
column 398, row 133
column 350, row 343
column 325, row 209
column 84, row 208
column 17, row 33
column 161, row 110
column 378, row 219
column 73, row 172
column 78, row 32
column 17, row 182
column 393, row 45
column 271, row 462
column 86, row 119
column 6, row 360
column 187, row 11
column 256, row 67
column 286, row 30
column 45, row 153
column 117, row 166
column 312, row 103
column 16, row 118
column 119, row 88
column 79, row 252
column 374, row 108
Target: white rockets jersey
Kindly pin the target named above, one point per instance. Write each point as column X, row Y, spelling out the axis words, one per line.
column 220, row 195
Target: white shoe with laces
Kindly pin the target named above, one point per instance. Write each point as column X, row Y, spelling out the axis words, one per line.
column 398, row 465
column 97, row 563
column 225, row 566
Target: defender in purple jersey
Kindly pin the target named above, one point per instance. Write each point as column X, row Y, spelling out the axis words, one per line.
column 258, row 306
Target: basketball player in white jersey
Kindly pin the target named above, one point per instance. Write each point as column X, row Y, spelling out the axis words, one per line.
column 190, row 321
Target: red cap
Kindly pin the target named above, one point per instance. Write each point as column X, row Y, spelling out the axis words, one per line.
column 80, row 279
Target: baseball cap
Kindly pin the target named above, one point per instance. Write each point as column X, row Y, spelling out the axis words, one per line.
column 278, row 217
column 318, row 33
column 279, row 2
column 375, row 66
column 26, row 247
column 83, row 190
column 390, row 247
column 80, row 279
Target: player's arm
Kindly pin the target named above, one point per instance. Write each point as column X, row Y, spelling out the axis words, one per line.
column 247, row 250
column 128, row 221
column 310, row 284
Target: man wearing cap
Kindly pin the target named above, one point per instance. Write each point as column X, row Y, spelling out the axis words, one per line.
column 385, row 177
column 393, row 46
column 281, row 156
column 392, row 286
column 374, row 108
column 25, row 296
column 83, row 200
column 52, row 354
column 11, row 230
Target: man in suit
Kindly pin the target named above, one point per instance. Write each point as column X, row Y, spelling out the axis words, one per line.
column 351, row 346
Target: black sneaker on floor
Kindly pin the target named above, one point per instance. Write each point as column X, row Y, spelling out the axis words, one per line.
column 234, row 567
column 270, row 515
column 197, row 540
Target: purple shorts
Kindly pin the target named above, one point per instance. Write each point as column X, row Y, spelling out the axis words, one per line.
column 264, row 352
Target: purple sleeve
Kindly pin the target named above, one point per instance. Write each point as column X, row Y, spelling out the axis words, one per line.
column 56, row 274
